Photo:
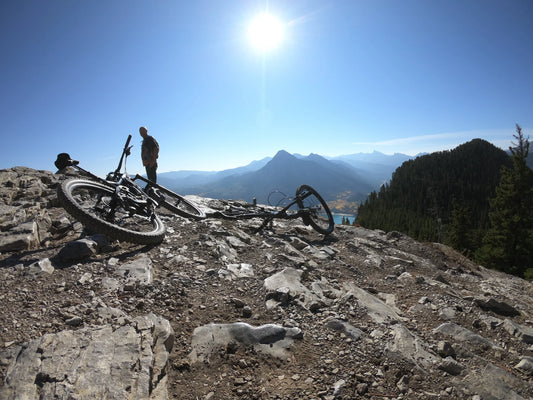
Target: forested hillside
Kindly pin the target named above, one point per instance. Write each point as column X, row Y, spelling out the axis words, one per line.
column 424, row 192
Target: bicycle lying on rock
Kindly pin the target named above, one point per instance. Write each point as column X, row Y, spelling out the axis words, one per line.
column 119, row 208
column 307, row 204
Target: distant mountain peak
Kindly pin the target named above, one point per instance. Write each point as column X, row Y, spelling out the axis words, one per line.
column 283, row 155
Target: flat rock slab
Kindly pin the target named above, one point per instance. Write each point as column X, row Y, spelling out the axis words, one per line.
column 411, row 347
column 378, row 310
column 139, row 271
column 271, row 339
column 289, row 280
column 495, row 383
column 525, row 333
column 94, row 363
column 344, row 327
column 464, row 335
column 22, row 237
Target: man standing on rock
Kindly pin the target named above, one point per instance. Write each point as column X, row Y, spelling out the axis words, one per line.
column 149, row 154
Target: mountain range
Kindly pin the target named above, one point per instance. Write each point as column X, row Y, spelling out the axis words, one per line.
column 342, row 181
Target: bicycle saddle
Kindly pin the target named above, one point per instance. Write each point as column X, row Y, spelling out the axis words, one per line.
column 63, row 160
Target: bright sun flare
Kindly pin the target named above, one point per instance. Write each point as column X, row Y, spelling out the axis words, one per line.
column 265, row 32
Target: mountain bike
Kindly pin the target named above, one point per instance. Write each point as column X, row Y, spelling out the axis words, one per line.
column 117, row 206
column 307, row 204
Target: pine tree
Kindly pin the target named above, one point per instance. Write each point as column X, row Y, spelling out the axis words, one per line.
column 508, row 244
column 459, row 235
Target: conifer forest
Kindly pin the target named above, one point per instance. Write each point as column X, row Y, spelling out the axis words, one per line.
column 476, row 198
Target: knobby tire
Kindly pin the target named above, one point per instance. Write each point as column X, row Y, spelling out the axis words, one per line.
column 178, row 204
column 77, row 197
column 318, row 216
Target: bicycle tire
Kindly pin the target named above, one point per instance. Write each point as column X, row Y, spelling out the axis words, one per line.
column 319, row 216
column 177, row 203
column 85, row 200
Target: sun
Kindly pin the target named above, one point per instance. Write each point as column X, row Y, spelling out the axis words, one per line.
column 265, row 32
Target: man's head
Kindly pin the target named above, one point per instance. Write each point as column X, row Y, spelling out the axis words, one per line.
column 143, row 131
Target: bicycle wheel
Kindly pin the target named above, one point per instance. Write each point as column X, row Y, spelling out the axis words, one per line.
column 91, row 204
column 176, row 203
column 317, row 213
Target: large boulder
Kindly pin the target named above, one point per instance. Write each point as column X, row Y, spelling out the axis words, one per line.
column 125, row 362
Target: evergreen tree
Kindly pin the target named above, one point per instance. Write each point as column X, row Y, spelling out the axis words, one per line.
column 460, row 235
column 508, row 244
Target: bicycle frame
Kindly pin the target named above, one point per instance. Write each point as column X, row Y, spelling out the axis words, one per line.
column 312, row 208
column 123, row 184
column 268, row 216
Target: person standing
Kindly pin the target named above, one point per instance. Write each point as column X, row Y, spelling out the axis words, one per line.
column 149, row 154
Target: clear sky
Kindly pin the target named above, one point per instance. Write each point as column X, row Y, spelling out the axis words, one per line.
column 346, row 76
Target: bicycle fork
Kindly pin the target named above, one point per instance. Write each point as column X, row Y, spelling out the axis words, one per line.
column 266, row 221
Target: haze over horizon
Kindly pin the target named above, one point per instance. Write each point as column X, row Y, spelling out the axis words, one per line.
column 221, row 84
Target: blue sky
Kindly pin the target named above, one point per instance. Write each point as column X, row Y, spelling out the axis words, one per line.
column 348, row 76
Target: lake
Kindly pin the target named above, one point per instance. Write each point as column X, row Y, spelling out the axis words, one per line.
column 338, row 217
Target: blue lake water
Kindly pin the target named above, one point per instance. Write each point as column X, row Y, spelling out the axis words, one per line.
column 338, row 217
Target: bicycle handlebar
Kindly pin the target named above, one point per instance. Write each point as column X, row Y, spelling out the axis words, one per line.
column 127, row 142
column 125, row 152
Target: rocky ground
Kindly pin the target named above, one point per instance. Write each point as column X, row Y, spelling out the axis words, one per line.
column 357, row 314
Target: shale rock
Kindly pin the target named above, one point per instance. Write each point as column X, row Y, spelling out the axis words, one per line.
column 128, row 361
